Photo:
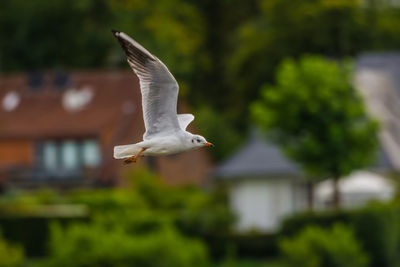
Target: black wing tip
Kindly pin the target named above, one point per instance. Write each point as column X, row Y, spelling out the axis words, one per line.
column 115, row 32
column 126, row 43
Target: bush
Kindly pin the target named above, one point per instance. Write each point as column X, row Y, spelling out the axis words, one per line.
column 10, row 255
column 99, row 245
column 32, row 232
column 144, row 208
column 317, row 247
column 25, row 217
column 377, row 227
column 254, row 245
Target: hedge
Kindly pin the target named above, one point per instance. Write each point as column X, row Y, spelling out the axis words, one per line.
column 32, row 232
column 377, row 228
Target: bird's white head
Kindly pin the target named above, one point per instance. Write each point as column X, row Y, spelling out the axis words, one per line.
column 199, row 141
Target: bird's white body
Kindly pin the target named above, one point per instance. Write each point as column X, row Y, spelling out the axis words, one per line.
column 163, row 145
column 165, row 129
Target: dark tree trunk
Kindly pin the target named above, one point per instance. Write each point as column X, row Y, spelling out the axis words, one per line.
column 310, row 195
column 336, row 194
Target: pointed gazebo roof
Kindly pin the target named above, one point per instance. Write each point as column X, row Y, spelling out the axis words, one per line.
column 256, row 157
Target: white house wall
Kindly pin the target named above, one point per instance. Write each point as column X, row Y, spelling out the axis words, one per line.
column 261, row 204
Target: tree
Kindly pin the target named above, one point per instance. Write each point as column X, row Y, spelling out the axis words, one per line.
column 291, row 28
column 217, row 128
column 76, row 34
column 315, row 115
column 172, row 30
column 53, row 34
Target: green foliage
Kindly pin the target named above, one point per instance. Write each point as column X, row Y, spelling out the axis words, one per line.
column 32, row 231
column 213, row 85
column 76, row 34
column 98, row 244
column 103, row 200
column 254, row 245
column 25, row 217
column 377, row 228
column 292, row 28
column 249, row 263
column 317, row 117
column 10, row 255
column 172, row 30
column 146, row 222
column 144, row 209
column 52, row 34
column 219, row 130
column 293, row 224
column 317, row 247
column 193, row 211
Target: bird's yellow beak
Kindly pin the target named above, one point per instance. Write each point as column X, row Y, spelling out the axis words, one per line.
column 208, row 144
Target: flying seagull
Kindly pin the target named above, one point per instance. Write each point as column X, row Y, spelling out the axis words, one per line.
column 165, row 129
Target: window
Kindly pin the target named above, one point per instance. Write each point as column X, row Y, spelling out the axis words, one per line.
column 68, row 155
column 50, row 155
column 91, row 154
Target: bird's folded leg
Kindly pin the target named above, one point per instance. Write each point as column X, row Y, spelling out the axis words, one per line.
column 135, row 158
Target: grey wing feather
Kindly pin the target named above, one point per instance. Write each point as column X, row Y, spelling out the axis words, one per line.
column 158, row 87
column 185, row 120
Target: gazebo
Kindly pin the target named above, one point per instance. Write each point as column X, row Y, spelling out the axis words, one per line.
column 264, row 186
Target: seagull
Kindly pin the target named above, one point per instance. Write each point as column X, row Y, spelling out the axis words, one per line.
column 165, row 129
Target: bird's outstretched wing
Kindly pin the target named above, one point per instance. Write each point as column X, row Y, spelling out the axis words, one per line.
column 185, row 120
column 159, row 88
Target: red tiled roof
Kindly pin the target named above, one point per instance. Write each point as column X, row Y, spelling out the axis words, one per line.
column 42, row 113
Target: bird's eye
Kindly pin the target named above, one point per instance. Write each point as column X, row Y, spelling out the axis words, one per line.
column 198, row 140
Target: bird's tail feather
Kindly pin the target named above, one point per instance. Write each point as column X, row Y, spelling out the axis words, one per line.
column 125, row 151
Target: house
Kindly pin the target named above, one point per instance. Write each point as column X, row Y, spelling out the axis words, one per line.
column 60, row 128
column 264, row 186
column 356, row 189
column 378, row 80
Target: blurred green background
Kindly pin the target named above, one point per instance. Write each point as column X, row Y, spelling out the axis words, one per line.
column 239, row 64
